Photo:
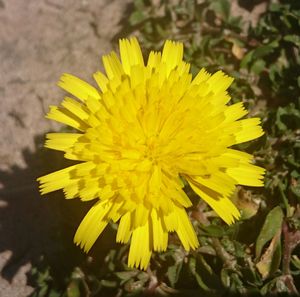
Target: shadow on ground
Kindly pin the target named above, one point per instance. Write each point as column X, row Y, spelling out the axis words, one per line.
column 39, row 230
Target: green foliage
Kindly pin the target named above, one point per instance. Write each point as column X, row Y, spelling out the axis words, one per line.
column 271, row 226
column 257, row 255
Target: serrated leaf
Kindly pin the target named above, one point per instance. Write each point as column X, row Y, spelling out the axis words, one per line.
column 173, row 273
column 271, row 226
column 124, row 276
column 192, row 268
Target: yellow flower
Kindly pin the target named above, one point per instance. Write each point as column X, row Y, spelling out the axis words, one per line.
column 145, row 130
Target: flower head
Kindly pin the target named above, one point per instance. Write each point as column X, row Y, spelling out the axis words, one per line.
column 148, row 128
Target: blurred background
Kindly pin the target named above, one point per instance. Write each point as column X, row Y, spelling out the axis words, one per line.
column 256, row 42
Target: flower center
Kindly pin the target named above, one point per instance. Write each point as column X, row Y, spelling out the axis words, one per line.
column 152, row 149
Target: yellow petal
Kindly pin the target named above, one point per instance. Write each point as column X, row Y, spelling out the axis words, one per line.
column 140, row 215
column 72, row 190
column 89, row 189
column 247, row 174
column 219, row 82
column 131, row 54
column 185, row 230
column 61, row 141
column 221, row 205
column 250, row 129
column 154, row 59
column 235, row 112
column 112, row 65
column 201, row 77
column 242, row 157
column 172, row 55
column 218, row 181
column 76, row 108
column 77, row 87
column 160, row 236
column 56, row 180
column 101, row 81
column 92, row 225
column 124, row 229
column 64, row 116
column 140, row 252
column 171, row 220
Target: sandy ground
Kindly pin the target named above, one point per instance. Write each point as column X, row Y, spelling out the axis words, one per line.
column 39, row 40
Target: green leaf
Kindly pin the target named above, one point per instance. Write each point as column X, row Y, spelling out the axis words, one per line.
column 221, row 7
column 296, row 261
column 73, row 289
column 225, row 278
column 271, row 226
column 109, row 283
column 270, row 260
column 124, row 276
column 173, row 273
column 280, row 125
column 287, row 117
column 280, row 285
column 213, row 230
column 275, row 7
column 258, row 66
column 293, row 38
column 295, row 188
column 43, row 291
column 247, row 59
column 139, row 4
column 192, row 268
column 258, row 53
column 136, row 17
column 264, row 50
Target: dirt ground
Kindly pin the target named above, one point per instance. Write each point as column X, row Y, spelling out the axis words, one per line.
column 39, row 40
